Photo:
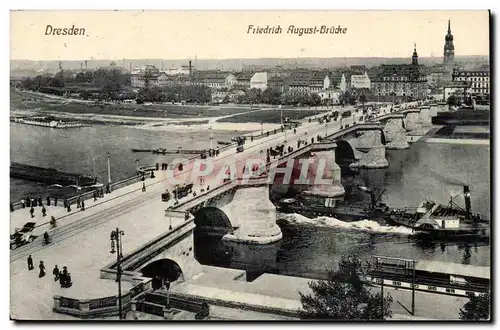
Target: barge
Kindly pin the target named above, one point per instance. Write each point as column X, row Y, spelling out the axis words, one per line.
column 312, row 206
column 45, row 122
column 50, row 176
column 428, row 276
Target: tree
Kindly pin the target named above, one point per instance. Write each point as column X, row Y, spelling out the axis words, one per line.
column 477, row 308
column 343, row 296
column 453, row 100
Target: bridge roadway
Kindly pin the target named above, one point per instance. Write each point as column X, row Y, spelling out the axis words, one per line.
column 81, row 241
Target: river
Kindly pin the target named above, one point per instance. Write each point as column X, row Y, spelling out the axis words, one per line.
column 309, row 248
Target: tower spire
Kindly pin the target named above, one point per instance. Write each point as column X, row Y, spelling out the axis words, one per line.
column 449, row 26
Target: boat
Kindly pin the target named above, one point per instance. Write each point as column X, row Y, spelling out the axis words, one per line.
column 50, row 176
column 435, row 220
column 48, row 122
column 141, row 150
column 162, row 151
column 313, row 206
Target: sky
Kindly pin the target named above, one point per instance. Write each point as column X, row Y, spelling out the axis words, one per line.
column 223, row 34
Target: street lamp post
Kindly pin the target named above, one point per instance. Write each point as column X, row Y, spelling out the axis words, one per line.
column 109, row 170
column 211, row 138
column 116, row 240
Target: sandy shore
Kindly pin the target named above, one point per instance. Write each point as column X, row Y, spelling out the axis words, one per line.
column 458, row 141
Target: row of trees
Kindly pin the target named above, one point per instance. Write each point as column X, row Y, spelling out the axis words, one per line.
column 110, row 82
column 189, row 93
column 343, row 296
column 275, row 96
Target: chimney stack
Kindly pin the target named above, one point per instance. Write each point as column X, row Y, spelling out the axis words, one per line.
column 467, row 201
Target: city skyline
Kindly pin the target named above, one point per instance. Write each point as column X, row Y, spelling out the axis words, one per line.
column 219, row 35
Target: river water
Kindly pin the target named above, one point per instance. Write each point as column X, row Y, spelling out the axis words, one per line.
column 309, row 248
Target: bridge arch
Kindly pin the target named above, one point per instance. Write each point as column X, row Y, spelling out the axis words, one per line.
column 164, row 268
column 212, row 219
column 344, row 153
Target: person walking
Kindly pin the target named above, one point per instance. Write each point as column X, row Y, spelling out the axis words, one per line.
column 53, row 222
column 56, row 273
column 143, row 187
column 32, row 211
column 42, row 269
column 83, row 205
column 55, row 201
column 30, row 263
column 44, row 211
column 28, row 201
column 78, row 202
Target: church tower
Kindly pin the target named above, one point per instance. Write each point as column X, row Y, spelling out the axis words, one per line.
column 414, row 57
column 449, row 49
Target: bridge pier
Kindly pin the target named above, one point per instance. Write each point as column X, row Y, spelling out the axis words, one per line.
column 324, row 161
column 369, row 150
column 412, row 120
column 433, row 110
column 425, row 117
column 256, row 214
column 395, row 134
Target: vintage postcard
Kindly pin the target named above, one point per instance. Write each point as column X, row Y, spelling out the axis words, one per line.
column 250, row 165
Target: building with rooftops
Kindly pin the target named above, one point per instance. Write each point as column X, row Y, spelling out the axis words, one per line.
column 401, row 80
column 259, row 81
column 479, row 80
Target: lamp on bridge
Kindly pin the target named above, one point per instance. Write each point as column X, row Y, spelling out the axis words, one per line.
column 168, row 213
column 116, row 243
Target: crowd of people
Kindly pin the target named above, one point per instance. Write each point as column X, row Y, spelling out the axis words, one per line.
column 64, row 277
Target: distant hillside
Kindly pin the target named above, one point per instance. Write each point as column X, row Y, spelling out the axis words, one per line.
column 26, row 67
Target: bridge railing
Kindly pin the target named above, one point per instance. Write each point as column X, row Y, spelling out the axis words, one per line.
column 99, row 307
column 109, row 271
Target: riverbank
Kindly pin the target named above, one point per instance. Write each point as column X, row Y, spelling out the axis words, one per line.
column 459, row 141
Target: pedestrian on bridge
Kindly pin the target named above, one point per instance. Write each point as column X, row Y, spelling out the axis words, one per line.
column 152, row 174
column 48, row 201
column 157, row 166
column 78, row 202
column 44, row 211
column 42, row 269
column 143, row 187
column 69, row 207
column 95, row 195
column 30, row 263
column 56, row 273
column 55, row 201
column 53, row 222
column 32, row 211
column 34, row 202
column 83, row 205
column 28, row 201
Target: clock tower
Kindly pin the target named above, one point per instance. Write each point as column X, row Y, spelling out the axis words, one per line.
column 449, row 49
